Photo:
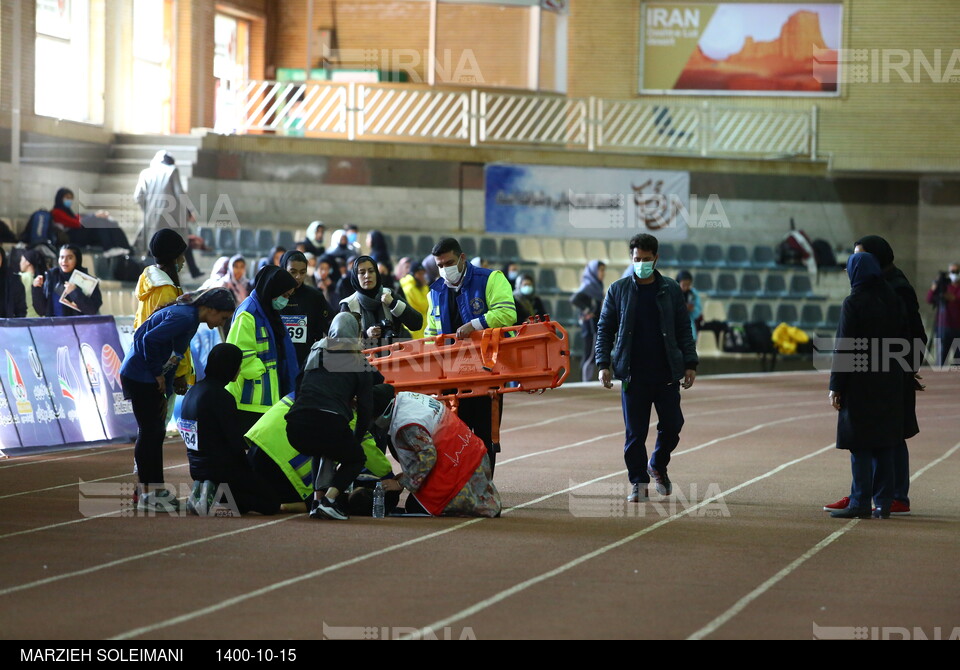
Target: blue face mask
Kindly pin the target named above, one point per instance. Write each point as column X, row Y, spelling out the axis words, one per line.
column 68, row 203
column 351, row 237
column 526, row 290
column 279, row 303
column 644, row 269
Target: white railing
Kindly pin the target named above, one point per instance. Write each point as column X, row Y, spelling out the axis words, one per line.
column 410, row 113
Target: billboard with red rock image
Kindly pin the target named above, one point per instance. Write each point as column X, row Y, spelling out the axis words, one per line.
column 727, row 48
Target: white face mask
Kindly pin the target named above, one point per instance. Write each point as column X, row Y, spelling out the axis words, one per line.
column 451, row 274
column 954, row 277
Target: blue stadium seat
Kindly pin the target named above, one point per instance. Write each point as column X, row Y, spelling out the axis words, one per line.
column 726, row 285
column 468, row 244
column 703, row 282
column 737, row 312
column 774, row 286
column 564, row 312
column 405, row 247
column 425, row 244
column 547, row 282
column 265, row 240
column 737, row 256
column 208, row 235
column 833, row 318
column 764, row 257
column 689, row 256
column 811, row 316
column 762, row 312
column 800, row 286
column 286, row 239
column 750, row 285
column 667, row 254
column 787, row 313
column 509, row 250
column 226, row 242
column 488, row 249
column 713, row 256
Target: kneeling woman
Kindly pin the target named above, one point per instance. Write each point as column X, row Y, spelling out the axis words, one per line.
column 210, row 426
column 147, row 375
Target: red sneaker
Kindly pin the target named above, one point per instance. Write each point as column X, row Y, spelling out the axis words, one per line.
column 843, row 503
column 898, row 508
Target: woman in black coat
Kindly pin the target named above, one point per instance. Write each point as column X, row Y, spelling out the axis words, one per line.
column 13, row 298
column 56, row 284
column 866, row 386
column 384, row 317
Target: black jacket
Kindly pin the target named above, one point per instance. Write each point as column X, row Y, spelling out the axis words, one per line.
column 914, row 323
column 220, row 453
column 871, row 403
column 309, row 303
column 615, row 328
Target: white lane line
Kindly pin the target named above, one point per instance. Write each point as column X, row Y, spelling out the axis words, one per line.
column 57, row 525
column 44, row 461
column 741, row 604
column 353, row 561
column 137, row 557
column 86, row 481
column 533, row 581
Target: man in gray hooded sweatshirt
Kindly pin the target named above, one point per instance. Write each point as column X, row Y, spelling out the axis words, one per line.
column 164, row 203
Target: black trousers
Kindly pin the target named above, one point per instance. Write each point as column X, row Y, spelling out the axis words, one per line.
column 323, row 434
column 150, row 411
column 477, row 414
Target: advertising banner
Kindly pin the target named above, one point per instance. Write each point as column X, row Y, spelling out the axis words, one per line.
column 733, row 48
column 595, row 203
column 102, row 356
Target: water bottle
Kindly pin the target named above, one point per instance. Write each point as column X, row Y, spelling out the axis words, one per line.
column 378, row 503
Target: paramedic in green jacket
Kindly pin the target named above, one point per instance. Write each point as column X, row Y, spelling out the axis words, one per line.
column 464, row 299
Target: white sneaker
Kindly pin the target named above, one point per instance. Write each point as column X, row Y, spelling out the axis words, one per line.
column 638, row 494
column 158, row 501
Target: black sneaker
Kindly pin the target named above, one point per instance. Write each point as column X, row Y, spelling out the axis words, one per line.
column 327, row 509
column 664, row 485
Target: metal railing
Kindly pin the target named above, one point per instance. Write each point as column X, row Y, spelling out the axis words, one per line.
column 412, row 113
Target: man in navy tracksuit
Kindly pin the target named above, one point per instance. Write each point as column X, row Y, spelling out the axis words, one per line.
column 644, row 338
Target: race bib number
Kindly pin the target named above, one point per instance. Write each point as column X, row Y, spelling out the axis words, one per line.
column 296, row 326
column 188, row 431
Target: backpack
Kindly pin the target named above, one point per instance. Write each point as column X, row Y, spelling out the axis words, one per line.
column 735, row 340
column 759, row 337
column 39, row 229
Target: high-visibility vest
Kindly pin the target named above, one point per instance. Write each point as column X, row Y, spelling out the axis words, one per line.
column 270, row 435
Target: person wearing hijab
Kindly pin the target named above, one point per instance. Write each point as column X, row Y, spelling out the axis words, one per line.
column 269, row 369
column 307, row 315
column 402, row 269
column 589, row 299
column 217, row 273
column 56, row 284
column 314, row 242
column 327, row 275
column 384, row 318
column 235, row 278
column 164, row 203
column 690, row 294
column 339, row 247
column 528, row 302
column 33, row 264
column 416, row 292
column 337, row 376
column 148, row 377
column 216, row 448
column 63, row 210
column 377, row 244
column 867, row 389
column 917, row 334
column 13, row 300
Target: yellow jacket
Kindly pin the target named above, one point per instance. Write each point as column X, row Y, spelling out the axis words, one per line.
column 154, row 290
column 418, row 297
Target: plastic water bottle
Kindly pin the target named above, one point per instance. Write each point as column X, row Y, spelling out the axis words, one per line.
column 378, row 504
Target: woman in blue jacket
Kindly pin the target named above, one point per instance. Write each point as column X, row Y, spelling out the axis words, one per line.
column 147, row 376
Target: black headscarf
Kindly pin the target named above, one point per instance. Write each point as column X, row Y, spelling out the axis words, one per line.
column 378, row 248
column 57, row 275
column 293, row 255
column 166, row 245
column 374, row 292
column 272, row 282
column 58, row 204
column 223, row 363
column 37, row 260
column 863, row 270
column 879, row 247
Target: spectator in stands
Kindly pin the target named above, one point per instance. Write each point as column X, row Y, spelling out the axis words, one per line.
column 692, row 298
column 430, row 266
column 148, row 379
column 236, row 278
column 528, row 302
column 402, row 269
column 468, row 299
column 270, row 368
column 377, row 244
column 32, row 264
column 352, row 232
column 917, row 334
column 384, row 318
column 13, row 301
column 946, row 298
column 62, row 211
column 272, row 258
column 423, row 431
column 314, row 242
column 311, row 279
column 164, row 203
column 337, row 376
column 326, row 276
column 588, row 299
column 339, row 247
column 216, row 449
column 511, row 271
column 217, row 273
column 645, row 323
column 869, row 399
column 56, row 284
column 416, row 293
column 307, row 315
